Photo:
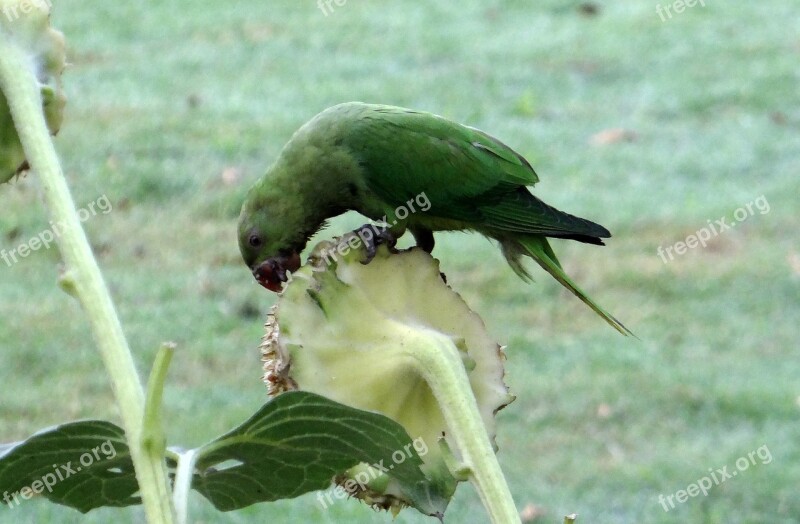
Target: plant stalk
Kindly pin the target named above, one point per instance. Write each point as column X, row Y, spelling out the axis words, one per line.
column 153, row 437
column 21, row 89
column 437, row 359
column 183, row 484
column 154, row 441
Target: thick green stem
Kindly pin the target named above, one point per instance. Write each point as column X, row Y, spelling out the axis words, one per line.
column 19, row 85
column 438, row 361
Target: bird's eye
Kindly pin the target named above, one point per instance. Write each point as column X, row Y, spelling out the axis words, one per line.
column 254, row 240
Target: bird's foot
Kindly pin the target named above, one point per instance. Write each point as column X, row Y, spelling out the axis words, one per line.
column 424, row 238
column 373, row 236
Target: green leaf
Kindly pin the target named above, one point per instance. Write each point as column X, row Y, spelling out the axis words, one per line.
column 297, row 443
column 84, row 465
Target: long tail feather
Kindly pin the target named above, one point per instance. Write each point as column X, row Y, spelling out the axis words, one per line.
column 539, row 249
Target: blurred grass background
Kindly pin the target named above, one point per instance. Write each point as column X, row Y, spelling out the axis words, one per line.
column 176, row 108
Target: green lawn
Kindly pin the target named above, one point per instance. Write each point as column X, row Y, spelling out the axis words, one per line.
column 165, row 98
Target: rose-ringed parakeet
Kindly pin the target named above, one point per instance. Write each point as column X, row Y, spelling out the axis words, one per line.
column 378, row 159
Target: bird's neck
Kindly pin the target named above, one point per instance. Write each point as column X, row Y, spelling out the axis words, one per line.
column 321, row 185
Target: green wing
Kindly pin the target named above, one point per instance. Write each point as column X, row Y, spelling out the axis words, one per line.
column 465, row 173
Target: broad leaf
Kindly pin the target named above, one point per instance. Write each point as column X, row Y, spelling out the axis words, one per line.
column 84, row 465
column 294, row 444
column 297, row 443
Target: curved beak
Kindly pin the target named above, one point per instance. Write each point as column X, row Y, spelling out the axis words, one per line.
column 271, row 273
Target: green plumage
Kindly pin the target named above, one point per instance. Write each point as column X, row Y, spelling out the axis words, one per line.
column 374, row 159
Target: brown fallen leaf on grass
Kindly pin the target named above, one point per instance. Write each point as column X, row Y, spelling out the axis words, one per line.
column 532, row 512
column 794, row 262
column 231, row 175
column 589, row 9
column 604, row 410
column 612, row 136
column 778, row 117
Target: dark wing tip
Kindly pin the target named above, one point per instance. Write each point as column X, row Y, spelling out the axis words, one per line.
column 586, row 239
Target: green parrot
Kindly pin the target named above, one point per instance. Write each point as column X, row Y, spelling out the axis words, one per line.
column 413, row 171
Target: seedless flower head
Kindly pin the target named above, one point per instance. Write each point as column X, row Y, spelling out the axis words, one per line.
column 348, row 331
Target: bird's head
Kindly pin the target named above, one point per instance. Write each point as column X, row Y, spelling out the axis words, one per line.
column 268, row 240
